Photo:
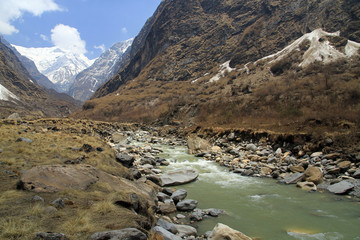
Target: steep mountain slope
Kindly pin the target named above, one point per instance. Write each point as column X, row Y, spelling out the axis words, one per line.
column 19, row 93
column 105, row 67
column 192, row 62
column 60, row 66
column 30, row 66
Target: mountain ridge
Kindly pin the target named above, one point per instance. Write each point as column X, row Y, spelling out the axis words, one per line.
column 60, row 66
column 104, row 67
column 184, row 45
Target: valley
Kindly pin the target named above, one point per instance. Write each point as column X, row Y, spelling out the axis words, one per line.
column 220, row 119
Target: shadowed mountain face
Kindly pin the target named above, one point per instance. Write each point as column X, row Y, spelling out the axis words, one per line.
column 20, row 93
column 187, row 41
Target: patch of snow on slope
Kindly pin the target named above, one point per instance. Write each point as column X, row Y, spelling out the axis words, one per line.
column 6, row 95
column 224, row 68
column 318, row 51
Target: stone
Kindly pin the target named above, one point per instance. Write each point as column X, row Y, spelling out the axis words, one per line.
column 266, row 171
column 127, row 233
column 197, row 215
column 125, row 159
column 37, row 198
column 55, row 178
column 24, row 139
column 307, row 186
column 167, row 207
column 162, row 196
column 165, row 233
column 342, row 187
column 180, row 216
column 316, row 154
column 313, row 174
column 186, row 205
column 221, row 231
column 298, row 168
column 185, row 230
column 215, row 149
column 50, row 210
column 167, row 225
column 332, row 156
column 179, row 195
column 197, row 145
column 87, row 148
column 58, row 203
column 51, row 236
column 214, row 212
column 251, row 147
column 357, row 174
column 344, row 165
column 293, row 178
column 178, row 177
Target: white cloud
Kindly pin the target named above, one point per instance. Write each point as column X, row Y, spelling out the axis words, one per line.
column 68, row 38
column 124, row 30
column 101, row 47
column 44, row 37
column 11, row 10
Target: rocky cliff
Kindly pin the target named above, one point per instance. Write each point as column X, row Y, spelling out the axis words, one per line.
column 20, row 93
column 185, row 44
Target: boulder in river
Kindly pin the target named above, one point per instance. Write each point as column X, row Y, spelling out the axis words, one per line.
column 179, row 195
column 186, row 205
column 178, row 177
column 221, row 231
column 342, row 187
column 185, row 230
column 127, row 233
column 197, row 145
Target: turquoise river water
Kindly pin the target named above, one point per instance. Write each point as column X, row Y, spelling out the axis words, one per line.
column 262, row 208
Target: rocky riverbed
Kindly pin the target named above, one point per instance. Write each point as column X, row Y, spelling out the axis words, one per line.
column 123, row 161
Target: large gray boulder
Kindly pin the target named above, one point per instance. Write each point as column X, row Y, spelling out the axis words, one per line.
column 178, row 177
column 179, row 195
column 293, row 178
column 221, row 232
column 123, row 234
column 165, row 233
column 185, row 230
column 342, row 187
column 125, row 159
column 167, row 226
column 186, row 205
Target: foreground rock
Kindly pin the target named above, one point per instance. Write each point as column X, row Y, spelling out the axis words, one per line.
column 127, row 233
column 178, row 177
column 165, row 233
column 222, row 231
column 342, row 187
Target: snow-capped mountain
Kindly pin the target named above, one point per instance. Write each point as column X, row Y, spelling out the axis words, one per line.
column 60, row 66
column 89, row 80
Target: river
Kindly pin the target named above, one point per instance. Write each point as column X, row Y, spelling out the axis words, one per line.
column 262, row 208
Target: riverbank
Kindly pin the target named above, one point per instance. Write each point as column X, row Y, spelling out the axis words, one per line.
column 126, row 153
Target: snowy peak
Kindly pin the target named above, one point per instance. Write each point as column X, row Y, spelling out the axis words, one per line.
column 89, row 80
column 59, row 65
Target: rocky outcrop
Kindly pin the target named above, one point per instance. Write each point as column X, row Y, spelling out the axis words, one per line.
column 222, row 231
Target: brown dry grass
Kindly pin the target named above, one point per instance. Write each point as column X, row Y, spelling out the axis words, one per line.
column 85, row 212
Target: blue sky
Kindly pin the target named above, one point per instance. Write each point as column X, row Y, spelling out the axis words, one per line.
column 91, row 25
